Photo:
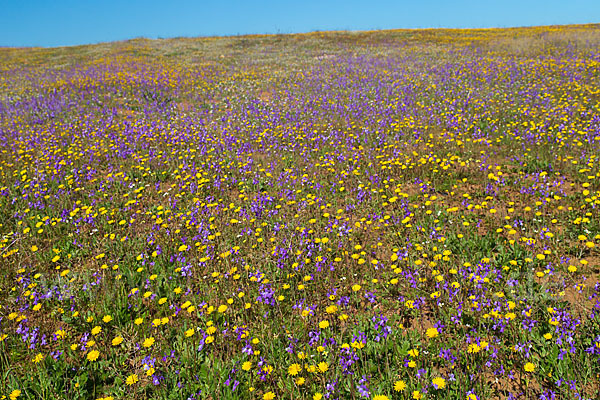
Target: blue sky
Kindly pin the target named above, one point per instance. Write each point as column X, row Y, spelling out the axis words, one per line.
column 70, row 22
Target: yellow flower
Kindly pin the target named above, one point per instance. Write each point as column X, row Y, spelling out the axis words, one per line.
column 222, row 308
column 323, row 367
column 300, row 381
column 324, row 324
column 294, row 369
column 211, row 330
column 332, row 309
column 439, row 383
column 572, row 268
column 529, row 367
column 432, row 333
column 356, row 288
column 93, row 355
column 138, row 321
column 148, row 342
column 473, row 348
column 117, row 341
column 209, row 339
column 96, row 330
column 131, row 379
column 269, row 396
column 381, row 397
column 189, row 332
column 399, row 386
column 268, row 369
column 14, row 394
column 247, row 366
column 317, row 396
column 107, row 318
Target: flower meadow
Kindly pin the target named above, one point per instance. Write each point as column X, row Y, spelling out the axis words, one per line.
column 375, row 215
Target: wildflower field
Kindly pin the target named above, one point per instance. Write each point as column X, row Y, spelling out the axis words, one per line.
column 374, row 215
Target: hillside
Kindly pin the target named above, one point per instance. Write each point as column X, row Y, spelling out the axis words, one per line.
column 338, row 215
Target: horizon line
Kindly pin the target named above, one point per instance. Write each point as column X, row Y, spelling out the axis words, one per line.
column 346, row 31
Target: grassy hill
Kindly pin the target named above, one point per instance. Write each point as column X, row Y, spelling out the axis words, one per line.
column 339, row 215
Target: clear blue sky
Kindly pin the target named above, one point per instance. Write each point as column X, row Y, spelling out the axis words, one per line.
column 72, row 22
